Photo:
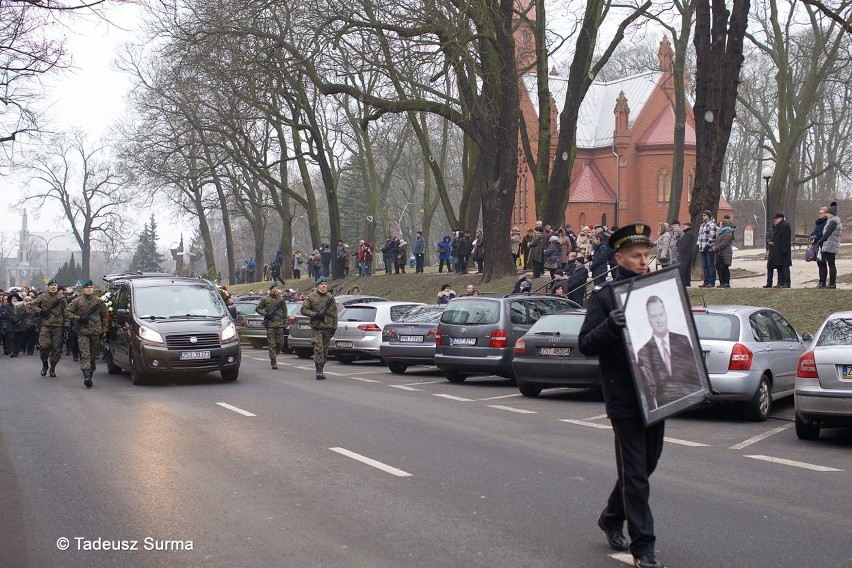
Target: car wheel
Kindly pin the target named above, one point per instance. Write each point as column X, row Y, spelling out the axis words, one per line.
column 397, row 368
column 761, row 404
column 454, row 376
column 345, row 359
column 805, row 431
column 230, row 374
column 303, row 353
column 112, row 368
column 136, row 376
column 256, row 343
column 529, row 389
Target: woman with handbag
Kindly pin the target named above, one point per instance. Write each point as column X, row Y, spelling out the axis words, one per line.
column 816, row 235
column 724, row 247
column 829, row 244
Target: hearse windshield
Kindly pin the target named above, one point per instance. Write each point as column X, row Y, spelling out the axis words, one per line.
column 183, row 301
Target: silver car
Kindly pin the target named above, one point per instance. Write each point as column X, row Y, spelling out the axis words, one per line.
column 751, row 354
column 824, row 379
column 299, row 328
column 359, row 329
column 411, row 340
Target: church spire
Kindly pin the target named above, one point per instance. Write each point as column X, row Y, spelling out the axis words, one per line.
column 665, row 55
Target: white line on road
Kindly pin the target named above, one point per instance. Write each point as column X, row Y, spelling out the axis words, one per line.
column 427, row 383
column 372, row 462
column 598, row 417
column 304, row 367
column 793, row 463
column 584, row 423
column 333, row 374
column 510, row 409
column 760, row 437
column 362, row 379
column 622, row 557
column 501, row 396
column 260, row 358
column 685, row 442
column 404, row 387
column 235, row 409
column 451, row 397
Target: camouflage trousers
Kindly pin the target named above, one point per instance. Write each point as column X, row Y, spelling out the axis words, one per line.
column 50, row 343
column 275, row 341
column 88, row 351
column 320, row 338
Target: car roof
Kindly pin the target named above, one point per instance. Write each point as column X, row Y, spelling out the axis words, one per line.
column 384, row 303
column 149, row 279
column 732, row 308
column 506, row 297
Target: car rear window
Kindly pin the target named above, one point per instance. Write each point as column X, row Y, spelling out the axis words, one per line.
column 836, row 332
column 470, row 312
column 423, row 314
column 246, row 308
column 723, row 327
column 562, row 324
column 358, row 313
column 293, row 308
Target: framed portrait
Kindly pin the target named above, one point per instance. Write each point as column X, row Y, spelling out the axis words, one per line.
column 666, row 358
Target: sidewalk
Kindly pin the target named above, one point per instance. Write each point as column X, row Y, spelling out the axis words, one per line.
column 802, row 274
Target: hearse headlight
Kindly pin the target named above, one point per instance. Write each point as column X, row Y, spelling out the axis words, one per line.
column 229, row 331
column 149, row 334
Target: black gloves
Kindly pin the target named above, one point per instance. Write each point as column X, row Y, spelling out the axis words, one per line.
column 267, row 317
column 83, row 320
column 616, row 321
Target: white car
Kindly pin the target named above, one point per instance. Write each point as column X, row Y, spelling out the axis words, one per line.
column 359, row 329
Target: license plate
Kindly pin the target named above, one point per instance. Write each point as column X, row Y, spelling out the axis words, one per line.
column 304, row 326
column 554, row 351
column 254, row 323
column 847, row 372
column 344, row 344
column 411, row 338
column 462, row 341
column 187, row 355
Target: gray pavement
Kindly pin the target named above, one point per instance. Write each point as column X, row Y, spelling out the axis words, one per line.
column 802, row 274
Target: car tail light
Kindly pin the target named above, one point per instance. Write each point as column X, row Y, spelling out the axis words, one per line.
column 241, row 321
column 437, row 338
column 388, row 334
column 741, row 358
column 499, row 339
column 369, row 327
column 807, row 366
column 520, row 347
column 432, row 333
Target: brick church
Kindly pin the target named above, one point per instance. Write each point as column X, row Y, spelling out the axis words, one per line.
column 625, row 145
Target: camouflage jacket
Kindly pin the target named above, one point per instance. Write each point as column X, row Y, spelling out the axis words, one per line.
column 54, row 317
column 269, row 303
column 316, row 303
column 85, row 305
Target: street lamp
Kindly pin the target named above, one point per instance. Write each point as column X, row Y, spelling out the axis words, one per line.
column 46, row 251
column 401, row 215
column 766, row 174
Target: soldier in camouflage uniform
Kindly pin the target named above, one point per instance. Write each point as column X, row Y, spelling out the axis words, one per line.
column 50, row 308
column 321, row 309
column 90, row 316
column 273, row 308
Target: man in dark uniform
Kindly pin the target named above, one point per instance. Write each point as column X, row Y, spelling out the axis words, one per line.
column 321, row 309
column 50, row 307
column 90, row 315
column 637, row 448
column 273, row 308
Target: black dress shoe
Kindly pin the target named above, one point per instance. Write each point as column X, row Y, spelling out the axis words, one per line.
column 647, row 561
column 767, row 286
column 43, row 368
column 614, row 537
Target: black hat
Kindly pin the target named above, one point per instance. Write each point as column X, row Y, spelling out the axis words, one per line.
column 779, row 215
column 708, row 213
column 559, row 271
column 675, row 222
column 580, row 259
column 15, row 295
column 632, row 234
column 833, row 208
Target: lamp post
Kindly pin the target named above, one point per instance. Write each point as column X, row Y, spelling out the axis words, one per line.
column 46, row 251
column 401, row 215
column 766, row 174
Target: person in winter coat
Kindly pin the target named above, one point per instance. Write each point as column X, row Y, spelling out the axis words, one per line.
column 686, row 251
column 515, row 240
column 325, row 256
column 664, row 246
column 90, row 316
column 724, row 247
column 445, row 295
column 600, row 259
column 676, row 233
column 577, row 281
column 478, row 250
column 365, row 258
column 275, row 268
column 388, row 254
column 536, row 253
column 401, row 256
column 11, row 324
column 464, row 248
column 830, row 243
column 706, row 235
column 526, row 242
column 815, row 236
column 780, row 252
column 552, row 255
column 444, row 258
column 419, row 251
column 584, row 243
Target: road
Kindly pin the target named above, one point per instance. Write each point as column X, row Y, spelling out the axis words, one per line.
column 370, row 469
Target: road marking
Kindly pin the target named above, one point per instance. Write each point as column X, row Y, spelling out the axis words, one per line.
column 451, row 397
column 427, row 383
column 584, row 423
column 625, row 557
column 598, row 417
column 510, row 409
column 304, row 367
column 685, row 442
column 501, row 396
column 372, row 462
column 235, row 409
column 333, row 374
column 405, row 388
column 362, row 379
column 260, row 358
column 803, row 465
column 760, row 437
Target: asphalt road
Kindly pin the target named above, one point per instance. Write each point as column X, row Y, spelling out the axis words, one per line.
column 370, row 469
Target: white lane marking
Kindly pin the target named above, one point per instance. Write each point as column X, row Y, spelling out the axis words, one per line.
column 598, row 417
column 362, row 379
column 625, row 557
column 304, row 367
column 451, row 397
column 371, row 462
column 510, row 409
column 427, row 383
column 235, row 409
column 333, row 374
column 584, row 423
column 288, row 364
column 685, row 442
column 260, row 358
column 501, row 396
column 760, row 437
column 405, row 388
column 793, row 463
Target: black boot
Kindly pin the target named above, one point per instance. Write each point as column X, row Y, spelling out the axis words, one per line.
column 87, row 379
column 43, row 368
column 320, row 375
column 53, row 369
column 274, row 363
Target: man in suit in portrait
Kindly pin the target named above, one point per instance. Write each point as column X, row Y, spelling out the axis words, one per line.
column 666, row 360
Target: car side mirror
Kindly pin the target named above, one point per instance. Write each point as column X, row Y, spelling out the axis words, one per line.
column 232, row 309
column 121, row 316
column 807, row 337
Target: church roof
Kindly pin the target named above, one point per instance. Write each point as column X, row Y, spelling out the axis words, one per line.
column 661, row 131
column 590, row 187
column 596, row 121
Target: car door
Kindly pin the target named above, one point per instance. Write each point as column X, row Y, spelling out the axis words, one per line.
column 770, row 351
column 789, row 349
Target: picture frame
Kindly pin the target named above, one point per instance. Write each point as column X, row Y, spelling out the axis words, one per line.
column 659, row 319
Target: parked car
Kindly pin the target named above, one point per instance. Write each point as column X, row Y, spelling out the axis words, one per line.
column 299, row 328
column 359, row 329
column 411, row 340
column 477, row 334
column 823, row 392
column 250, row 323
column 751, row 354
column 547, row 356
